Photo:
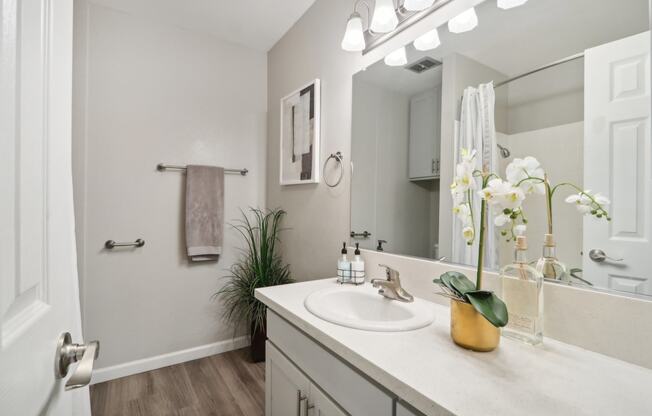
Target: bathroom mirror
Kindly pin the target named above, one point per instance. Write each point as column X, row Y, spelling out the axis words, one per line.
column 571, row 81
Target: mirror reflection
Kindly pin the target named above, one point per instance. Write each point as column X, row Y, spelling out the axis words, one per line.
column 552, row 90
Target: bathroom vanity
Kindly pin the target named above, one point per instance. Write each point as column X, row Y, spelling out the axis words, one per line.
column 315, row 367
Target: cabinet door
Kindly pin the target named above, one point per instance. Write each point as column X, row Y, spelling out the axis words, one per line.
column 286, row 388
column 321, row 405
column 424, row 134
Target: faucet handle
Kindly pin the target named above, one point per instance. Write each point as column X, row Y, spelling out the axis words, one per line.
column 392, row 274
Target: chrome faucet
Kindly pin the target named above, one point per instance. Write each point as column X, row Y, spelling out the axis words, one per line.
column 391, row 287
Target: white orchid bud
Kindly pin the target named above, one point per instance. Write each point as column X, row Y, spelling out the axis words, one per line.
column 468, row 233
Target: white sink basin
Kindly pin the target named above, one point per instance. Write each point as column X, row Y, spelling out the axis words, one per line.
column 361, row 307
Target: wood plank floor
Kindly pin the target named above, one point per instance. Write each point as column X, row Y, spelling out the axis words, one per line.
column 221, row 385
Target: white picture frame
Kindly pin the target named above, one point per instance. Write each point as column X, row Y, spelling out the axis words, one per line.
column 300, row 135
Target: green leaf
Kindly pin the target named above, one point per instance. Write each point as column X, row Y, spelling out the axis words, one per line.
column 489, row 306
column 457, row 282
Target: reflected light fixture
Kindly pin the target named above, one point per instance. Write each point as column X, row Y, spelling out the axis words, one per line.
column 384, row 19
column 396, row 58
column 463, row 22
column 353, row 40
column 508, row 4
column 418, row 5
column 427, row 41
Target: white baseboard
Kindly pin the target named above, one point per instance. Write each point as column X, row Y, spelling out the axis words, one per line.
column 147, row 364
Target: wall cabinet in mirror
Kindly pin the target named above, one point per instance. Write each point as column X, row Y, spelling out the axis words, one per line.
column 425, row 131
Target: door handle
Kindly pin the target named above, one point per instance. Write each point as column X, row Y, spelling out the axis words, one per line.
column 600, row 256
column 308, row 407
column 68, row 353
column 301, row 399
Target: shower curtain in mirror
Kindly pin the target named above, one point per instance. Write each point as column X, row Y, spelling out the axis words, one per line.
column 476, row 131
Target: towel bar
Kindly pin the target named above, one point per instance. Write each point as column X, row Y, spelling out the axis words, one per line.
column 112, row 244
column 162, row 167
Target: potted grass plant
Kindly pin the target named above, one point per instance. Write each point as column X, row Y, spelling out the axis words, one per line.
column 260, row 265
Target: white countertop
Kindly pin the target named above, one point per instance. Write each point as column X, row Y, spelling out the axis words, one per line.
column 427, row 370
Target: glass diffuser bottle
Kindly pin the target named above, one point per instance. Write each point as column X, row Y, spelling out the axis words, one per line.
column 548, row 265
column 522, row 292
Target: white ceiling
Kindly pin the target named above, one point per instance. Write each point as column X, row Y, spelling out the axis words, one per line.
column 257, row 24
column 524, row 38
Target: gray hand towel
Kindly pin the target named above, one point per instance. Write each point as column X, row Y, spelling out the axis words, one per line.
column 204, row 212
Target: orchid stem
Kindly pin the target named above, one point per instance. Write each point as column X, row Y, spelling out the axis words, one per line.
column 549, row 194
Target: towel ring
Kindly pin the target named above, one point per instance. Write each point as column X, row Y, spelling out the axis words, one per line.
column 338, row 157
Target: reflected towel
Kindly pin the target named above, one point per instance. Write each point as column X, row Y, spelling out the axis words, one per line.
column 204, row 212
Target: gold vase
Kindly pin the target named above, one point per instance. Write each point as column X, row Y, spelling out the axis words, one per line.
column 471, row 330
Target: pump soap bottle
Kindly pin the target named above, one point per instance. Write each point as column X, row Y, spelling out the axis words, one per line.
column 357, row 267
column 343, row 266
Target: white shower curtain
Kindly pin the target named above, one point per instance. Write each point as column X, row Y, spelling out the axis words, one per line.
column 476, row 131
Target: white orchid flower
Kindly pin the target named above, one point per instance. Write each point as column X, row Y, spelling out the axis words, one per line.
column 501, row 220
column 464, row 179
column 586, row 203
column 463, row 212
column 601, row 199
column 520, row 229
column 468, row 156
column 520, row 169
column 503, row 194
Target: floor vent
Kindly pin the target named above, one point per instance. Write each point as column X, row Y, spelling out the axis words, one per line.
column 423, row 65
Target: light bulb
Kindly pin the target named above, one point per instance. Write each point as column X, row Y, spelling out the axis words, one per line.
column 508, row 4
column 427, row 41
column 418, row 5
column 396, row 58
column 384, row 19
column 353, row 40
column 463, row 22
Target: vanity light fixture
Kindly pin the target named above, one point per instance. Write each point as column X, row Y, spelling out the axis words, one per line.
column 396, row 58
column 418, row 5
column 463, row 22
column 384, row 19
column 427, row 41
column 353, row 40
column 508, row 4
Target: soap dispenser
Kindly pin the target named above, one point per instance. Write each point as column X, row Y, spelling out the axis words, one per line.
column 343, row 266
column 357, row 267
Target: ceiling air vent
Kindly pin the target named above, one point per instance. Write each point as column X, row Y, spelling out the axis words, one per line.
column 423, row 65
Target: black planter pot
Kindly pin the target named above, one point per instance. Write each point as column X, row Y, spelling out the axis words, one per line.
column 257, row 347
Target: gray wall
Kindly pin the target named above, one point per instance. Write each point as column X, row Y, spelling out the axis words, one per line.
column 318, row 217
column 383, row 199
column 146, row 93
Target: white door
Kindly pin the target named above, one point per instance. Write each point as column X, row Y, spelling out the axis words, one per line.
column 424, row 134
column 618, row 161
column 286, row 388
column 38, row 275
column 321, row 405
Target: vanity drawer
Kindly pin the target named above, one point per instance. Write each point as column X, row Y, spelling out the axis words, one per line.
column 353, row 392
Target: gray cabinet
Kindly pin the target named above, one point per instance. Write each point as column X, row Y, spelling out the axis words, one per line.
column 425, row 133
column 289, row 392
column 286, row 388
column 336, row 389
